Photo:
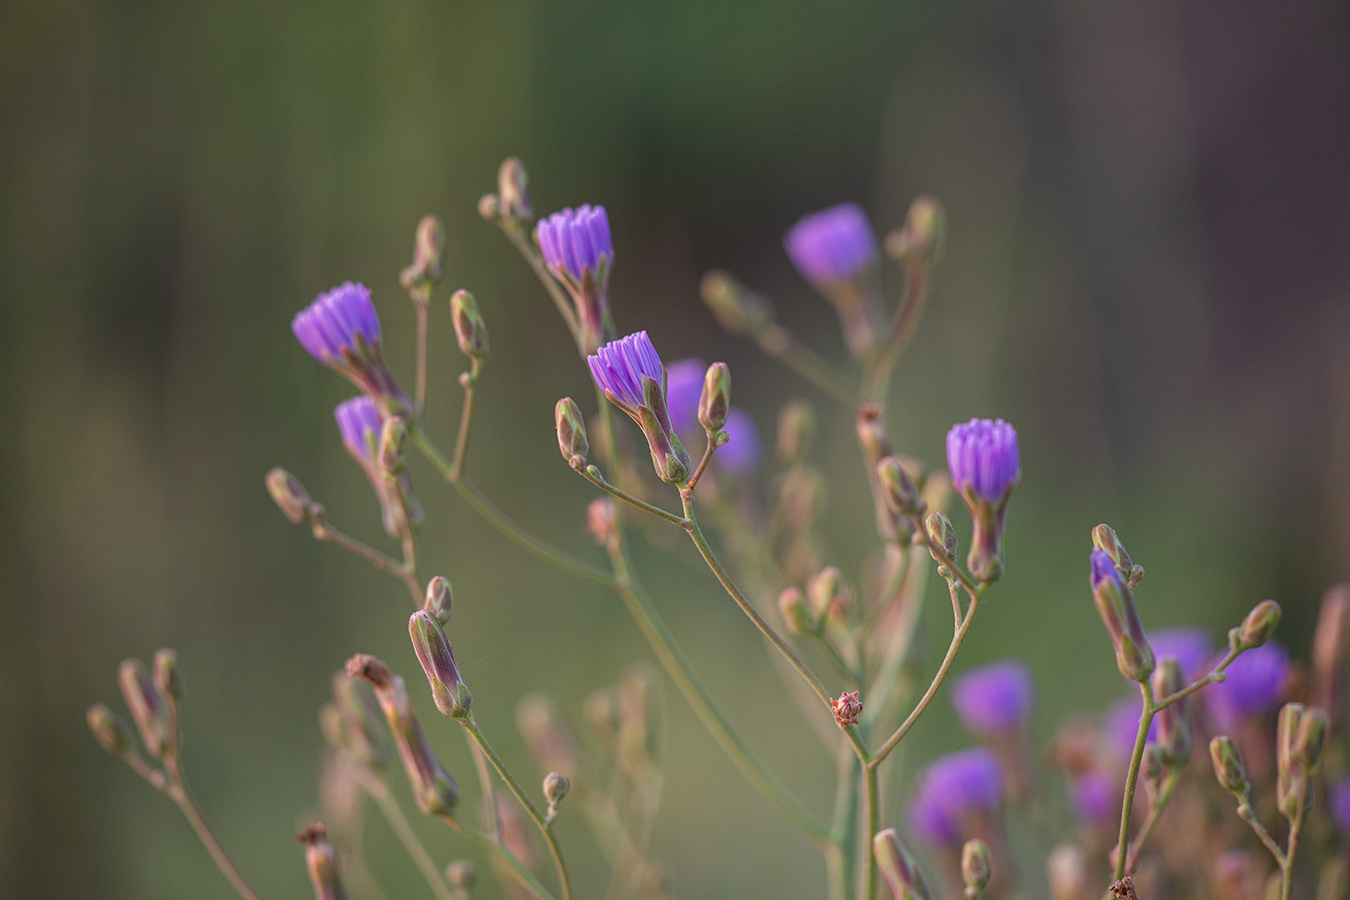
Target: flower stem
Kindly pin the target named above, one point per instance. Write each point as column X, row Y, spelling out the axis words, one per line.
column 1248, row 815
column 469, row 379
column 593, row 475
column 521, row 872
column 872, row 818
column 379, row 792
column 401, row 570
column 1287, row 867
column 1132, row 778
column 177, row 790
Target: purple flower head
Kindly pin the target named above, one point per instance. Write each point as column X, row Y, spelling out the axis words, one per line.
column 1339, row 797
column 684, row 387
column 577, row 248
column 341, row 330
column 953, row 788
column 633, row 378
column 1192, row 648
column 1103, row 569
column 835, row 244
column 1121, row 726
column 993, row 699
column 982, row 456
column 1254, row 686
column 1094, row 798
column 360, row 422
column 740, row 453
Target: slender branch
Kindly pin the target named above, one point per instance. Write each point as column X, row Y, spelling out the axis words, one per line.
column 872, row 817
column 1215, row 676
column 480, row 765
column 1154, row 814
column 469, row 380
column 708, row 450
column 1287, row 867
column 777, row 342
column 379, row 792
column 521, row 872
column 555, row 291
column 842, row 855
column 592, row 474
column 1132, row 778
column 1248, row 815
column 177, row 790
column 400, row 570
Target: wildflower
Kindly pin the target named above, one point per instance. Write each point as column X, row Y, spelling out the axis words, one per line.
column 953, row 789
column 993, row 699
column 836, row 250
column 1095, row 798
column 985, row 466
column 633, row 378
column 1254, row 686
column 341, row 330
column 740, row 454
column 1115, row 604
column 1339, row 803
column 360, row 425
column 578, row 250
column 684, row 387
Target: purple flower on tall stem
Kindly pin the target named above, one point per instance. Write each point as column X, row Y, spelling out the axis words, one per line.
column 633, row 378
column 360, row 423
column 953, row 790
column 341, row 330
column 578, row 250
column 985, row 465
column 836, row 250
column 993, row 700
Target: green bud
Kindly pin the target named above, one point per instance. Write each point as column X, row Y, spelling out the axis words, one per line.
column 556, row 786
column 146, row 705
column 391, row 453
column 796, row 428
column 898, row 866
column 923, row 234
column 1174, row 722
column 793, row 606
column 470, row 330
column 715, row 401
column 897, row 489
column 1311, row 738
column 1259, row 624
column 1228, row 768
column 438, row 663
column 110, row 731
column 428, row 265
column 1104, row 538
column 291, row 497
column 571, row 432
column 439, row 599
column 168, row 676
column 736, row 309
column 1292, row 781
column 941, row 536
column 513, row 192
column 822, row 589
column 1115, row 604
column 976, row 869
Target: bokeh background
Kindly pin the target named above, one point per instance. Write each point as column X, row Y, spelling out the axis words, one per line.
column 1149, row 217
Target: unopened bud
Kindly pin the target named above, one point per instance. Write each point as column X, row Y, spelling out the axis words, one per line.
column 1115, row 604
column 822, row 589
column 428, row 265
column 393, row 445
column 321, row 860
column 897, row 489
column 736, row 309
column 489, row 207
column 715, row 401
column 461, row 875
column 513, row 192
column 941, row 537
column 795, row 612
column 1331, row 648
column 110, row 731
column 923, row 234
column 439, row 599
column 976, row 869
column 846, row 708
column 898, row 866
column 145, row 704
column 1259, row 625
column 796, row 429
column 1105, row 539
column 168, row 676
column 571, row 432
column 438, row 662
column 1311, row 738
column 1174, row 721
column 1228, row 768
column 470, row 329
column 556, row 786
column 1153, row 770
column 1067, row 868
column 291, row 497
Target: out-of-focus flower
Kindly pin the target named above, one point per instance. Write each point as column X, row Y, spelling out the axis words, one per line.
column 952, row 789
column 1192, row 648
column 1339, row 797
column 740, row 454
column 1254, row 686
column 1115, row 604
column 684, row 386
column 578, row 249
column 1121, row 726
column 1095, row 798
column 836, row 250
column 360, row 424
column 341, row 330
column 993, row 699
column 985, row 465
column 633, row 378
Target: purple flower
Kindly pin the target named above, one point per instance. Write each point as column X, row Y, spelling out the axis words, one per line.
column 341, row 330
column 993, row 699
column 983, row 459
column 684, row 387
column 1094, row 798
column 740, row 453
column 1192, row 648
column 360, row 423
column 1339, row 797
column 835, row 244
column 1254, row 686
column 952, row 789
column 633, row 378
column 577, row 248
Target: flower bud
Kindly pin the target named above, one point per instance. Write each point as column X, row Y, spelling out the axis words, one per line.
column 1300, row 738
column 168, row 677
column 1115, row 605
column 897, row 489
column 513, row 192
column 1228, row 768
column 898, row 866
column 428, row 265
column 1153, row 770
column 1104, row 538
column 923, row 234
column 489, row 207
column 941, row 536
column 715, row 401
column 321, row 860
column 146, row 705
column 737, row 310
column 600, row 520
column 439, row 599
column 975, row 867
column 556, row 786
column 822, row 590
column 393, row 445
column 571, row 432
column 796, row 429
column 109, row 730
column 461, row 875
column 291, row 497
column 470, row 329
column 1331, row 648
column 438, row 662
column 1259, row 625
column 891, row 526
column 364, row 732
column 795, row 612
column 1174, row 722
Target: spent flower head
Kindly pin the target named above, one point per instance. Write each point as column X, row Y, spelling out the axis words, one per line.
column 341, row 330
column 633, row 378
column 985, row 465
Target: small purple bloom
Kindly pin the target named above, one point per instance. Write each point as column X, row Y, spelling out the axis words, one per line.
column 982, row 455
column 684, row 387
column 1094, row 798
column 1103, row 569
column 573, row 241
column 953, row 788
column 341, row 330
column 1254, row 686
column 633, row 378
column 1339, row 796
column 993, row 699
column 360, row 422
column 835, row 244
column 740, row 453
column 1192, row 648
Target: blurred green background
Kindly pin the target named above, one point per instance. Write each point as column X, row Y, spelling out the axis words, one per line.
column 1149, row 216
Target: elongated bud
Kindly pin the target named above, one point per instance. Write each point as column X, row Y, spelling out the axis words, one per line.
column 291, row 497
column 1331, row 648
column 393, row 445
column 1174, row 722
column 1292, row 782
column 715, row 401
column 1115, row 604
column 168, row 676
column 1228, row 768
column 795, row 612
column 556, row 786
column 1153, row 769
column 1311, row 738
column 1105, row 539
column 571, row 432
column 941, row 536
column 898, row 867
column 461, row 875
column 975, row 868
column 822, row 589
column 513, row 192
column 439, row 599
column 796, row 430
column 891, row 525
column 438, row 662
column 110, row 731
column 1259, row 625
column 738, row 310
column 321, row 860
column 428, row 265
column 470, row 329
column 364, row 732
column 899, row 492
column 923, row 234
column 145, row 704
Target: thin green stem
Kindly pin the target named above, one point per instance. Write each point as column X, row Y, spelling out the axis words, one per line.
column 777, row 342
column 1287, row 867
column 1154, row 814
column 884, row 750
column 469, row 380
column 326, row 532
column 1132, row 778
column 403, row 830
column 708, row 449
column 593, row 475
column 1248, row 815
column 841, row 856
column 177, row 790
column 549, row 838
column 1216, row 675
column 480, row 765
column 872, row 818
column 521, row 872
